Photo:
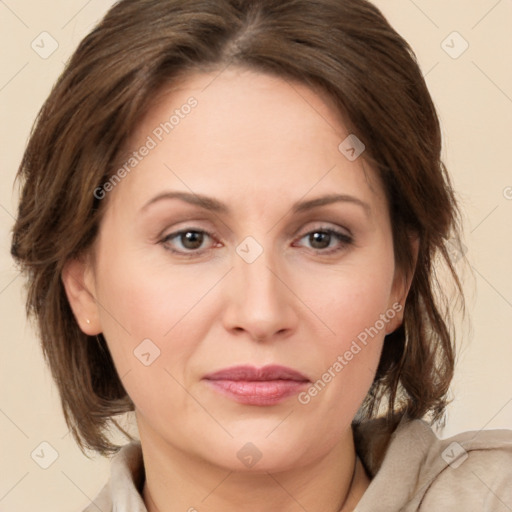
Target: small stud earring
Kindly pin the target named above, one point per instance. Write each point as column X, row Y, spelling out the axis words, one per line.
column 87, row 320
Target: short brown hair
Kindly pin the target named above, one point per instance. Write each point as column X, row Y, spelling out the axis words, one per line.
column 343, row 48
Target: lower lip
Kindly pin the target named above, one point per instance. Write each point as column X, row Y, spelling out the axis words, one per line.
column 268, row 392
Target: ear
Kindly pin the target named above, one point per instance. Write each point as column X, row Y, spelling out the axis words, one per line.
column 78, row 280
column 401, row 287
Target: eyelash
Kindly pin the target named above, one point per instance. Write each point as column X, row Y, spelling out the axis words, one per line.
column 344, row 239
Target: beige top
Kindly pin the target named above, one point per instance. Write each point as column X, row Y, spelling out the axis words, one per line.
column 411, row 470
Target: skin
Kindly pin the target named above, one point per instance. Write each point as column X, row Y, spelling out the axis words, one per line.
column 258, row 144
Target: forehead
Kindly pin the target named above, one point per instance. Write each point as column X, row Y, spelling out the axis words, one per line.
column 237, row 132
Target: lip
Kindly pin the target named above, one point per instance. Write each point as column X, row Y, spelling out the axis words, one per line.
column 268, row 385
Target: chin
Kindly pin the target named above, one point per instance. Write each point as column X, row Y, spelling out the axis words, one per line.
column 258, row 452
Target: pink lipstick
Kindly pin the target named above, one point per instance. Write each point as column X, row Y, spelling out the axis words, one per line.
column 248, row 385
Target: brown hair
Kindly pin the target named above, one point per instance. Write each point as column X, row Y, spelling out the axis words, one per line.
column 346, row 49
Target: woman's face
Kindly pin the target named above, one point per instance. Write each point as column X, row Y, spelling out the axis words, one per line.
column 285, row 259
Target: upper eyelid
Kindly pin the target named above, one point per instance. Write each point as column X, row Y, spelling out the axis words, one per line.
column 322, row 226
column 177, row 232
column 335, row 231
column 301, row 220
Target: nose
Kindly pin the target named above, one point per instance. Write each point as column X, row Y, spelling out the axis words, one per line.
column 260, row 301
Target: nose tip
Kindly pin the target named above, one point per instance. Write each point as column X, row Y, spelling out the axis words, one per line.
column 259, row 304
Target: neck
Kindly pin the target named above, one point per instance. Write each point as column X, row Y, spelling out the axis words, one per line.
column 176, row 481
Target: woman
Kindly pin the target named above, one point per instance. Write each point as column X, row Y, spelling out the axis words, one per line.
column 229, row 218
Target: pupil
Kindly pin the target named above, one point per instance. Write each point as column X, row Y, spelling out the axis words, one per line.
column 318, row 240
column 192, row 239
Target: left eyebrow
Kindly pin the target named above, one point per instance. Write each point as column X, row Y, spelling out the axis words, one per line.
column 302, row 206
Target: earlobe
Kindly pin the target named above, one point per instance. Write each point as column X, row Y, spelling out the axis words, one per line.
column 401, row 287
column 79, row 286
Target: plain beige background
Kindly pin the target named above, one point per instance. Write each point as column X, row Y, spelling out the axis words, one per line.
column 473, row 93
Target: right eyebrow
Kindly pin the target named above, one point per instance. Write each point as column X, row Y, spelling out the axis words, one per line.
column 208, row 203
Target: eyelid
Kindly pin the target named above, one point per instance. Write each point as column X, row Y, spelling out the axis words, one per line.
column 319, row 225
column 325, row 226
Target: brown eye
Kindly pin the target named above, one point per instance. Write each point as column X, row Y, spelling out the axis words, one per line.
column 320, row 239
column 191, row 239
column 187, row 241
column 327, row 240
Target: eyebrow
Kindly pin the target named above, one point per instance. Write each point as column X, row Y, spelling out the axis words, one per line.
column 214, row 205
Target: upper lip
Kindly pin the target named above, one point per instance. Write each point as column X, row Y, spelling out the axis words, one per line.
column 251, row 373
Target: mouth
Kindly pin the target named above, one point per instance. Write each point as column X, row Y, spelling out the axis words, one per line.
column 269, row 385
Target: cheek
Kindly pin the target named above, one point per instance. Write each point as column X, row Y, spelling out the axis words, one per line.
column 148, row 332
column 354, row 304
column 153, row 317
column 350, row 300
column 355, row 347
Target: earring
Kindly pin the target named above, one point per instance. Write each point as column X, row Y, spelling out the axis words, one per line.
column 87, row 320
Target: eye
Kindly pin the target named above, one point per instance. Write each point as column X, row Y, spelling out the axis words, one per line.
column 187, row 241
column 327, row 240
column 191, row 241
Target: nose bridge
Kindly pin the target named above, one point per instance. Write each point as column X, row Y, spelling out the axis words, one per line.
column 261, row 303
column 258, row 279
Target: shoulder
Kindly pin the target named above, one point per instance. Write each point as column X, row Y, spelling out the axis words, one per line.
column 413, row 470
column 471, row 471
